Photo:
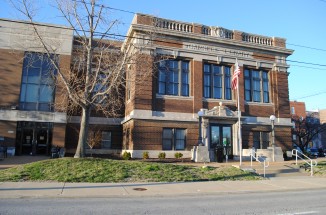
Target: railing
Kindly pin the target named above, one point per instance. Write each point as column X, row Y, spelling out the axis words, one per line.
column 258, row 159
column 312, row 163
column 173, row 25
column 252, row 38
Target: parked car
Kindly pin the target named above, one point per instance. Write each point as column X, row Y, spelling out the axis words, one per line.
column 314, row 153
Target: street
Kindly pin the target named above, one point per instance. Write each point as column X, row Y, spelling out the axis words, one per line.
column 285, row 202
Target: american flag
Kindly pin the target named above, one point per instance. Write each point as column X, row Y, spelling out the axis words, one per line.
column 236, row 74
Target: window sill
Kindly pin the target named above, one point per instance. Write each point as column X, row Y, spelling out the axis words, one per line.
column 158, row 96
column 259, row 103
column 217, row 100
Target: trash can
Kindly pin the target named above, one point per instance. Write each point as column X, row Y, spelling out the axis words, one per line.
column 219, row 154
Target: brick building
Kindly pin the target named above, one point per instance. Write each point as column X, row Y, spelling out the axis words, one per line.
column 29, row 121
column 196, row 76
column 192, row 70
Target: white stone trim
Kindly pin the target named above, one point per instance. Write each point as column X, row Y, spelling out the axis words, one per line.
column 19, row 35
column 36, row 116
column 96, row 120
column 160, row 115
column 158, row 96
column 248, row 120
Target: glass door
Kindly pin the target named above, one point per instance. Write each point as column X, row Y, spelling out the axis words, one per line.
column 221, row 137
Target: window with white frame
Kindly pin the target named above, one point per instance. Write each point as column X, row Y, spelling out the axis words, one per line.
column 256, row 85
column 173, row 77
column 217, row 81
column 173, row 139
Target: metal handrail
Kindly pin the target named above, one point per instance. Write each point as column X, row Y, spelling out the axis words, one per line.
column 309, row 163
column 252, row 152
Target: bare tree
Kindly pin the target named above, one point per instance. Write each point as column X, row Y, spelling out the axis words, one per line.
column 305, row 131
column 94, row 139
column 97, row 77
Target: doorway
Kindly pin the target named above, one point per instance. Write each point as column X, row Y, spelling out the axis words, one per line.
column 34, row 138
column 221, row 137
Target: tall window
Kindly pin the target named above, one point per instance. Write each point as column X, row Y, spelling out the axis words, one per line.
column 38, row 82
column 173, row 78
column 256, row 85
column 174, row 139
column 217, row 81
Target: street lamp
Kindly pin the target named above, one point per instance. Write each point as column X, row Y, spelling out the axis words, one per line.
column 272, row 118
column 200, row 138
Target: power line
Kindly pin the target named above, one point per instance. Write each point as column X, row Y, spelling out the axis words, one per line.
column 315, row 94
column 111, row 8
column 307, row 47
column 131, row 12
column 308, row 67
column 114, row 36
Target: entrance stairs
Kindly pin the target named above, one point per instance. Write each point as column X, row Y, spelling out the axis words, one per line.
column 277, row 170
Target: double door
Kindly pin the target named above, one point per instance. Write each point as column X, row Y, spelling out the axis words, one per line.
column 221, row 138
column 34, row 138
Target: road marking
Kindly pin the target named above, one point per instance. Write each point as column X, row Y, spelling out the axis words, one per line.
column 301, row 213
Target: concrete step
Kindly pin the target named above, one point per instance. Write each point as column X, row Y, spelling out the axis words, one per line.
column 278, row 170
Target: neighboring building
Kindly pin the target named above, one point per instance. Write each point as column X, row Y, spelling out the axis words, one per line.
column 298, row 109
column 29, row 120
column 192, row 70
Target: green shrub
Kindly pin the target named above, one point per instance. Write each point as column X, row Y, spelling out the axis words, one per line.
column 161, row 155
column 145, row 155
column 178, row 155
column 126, row 155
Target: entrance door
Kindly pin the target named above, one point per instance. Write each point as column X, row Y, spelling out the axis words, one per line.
column 27, row 141
column 221, row 136
column 33, row 138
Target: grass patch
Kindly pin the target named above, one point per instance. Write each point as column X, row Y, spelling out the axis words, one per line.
column 97, row 170
column 320, row 169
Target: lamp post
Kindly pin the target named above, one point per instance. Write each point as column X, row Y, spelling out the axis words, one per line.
column 200, row 138
column 272, row 118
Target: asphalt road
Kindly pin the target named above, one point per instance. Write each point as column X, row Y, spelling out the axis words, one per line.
column 300, row 202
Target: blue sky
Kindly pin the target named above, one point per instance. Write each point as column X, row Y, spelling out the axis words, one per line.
column 301, row 22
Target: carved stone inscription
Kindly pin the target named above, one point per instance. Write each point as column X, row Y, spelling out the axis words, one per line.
column 217, row 50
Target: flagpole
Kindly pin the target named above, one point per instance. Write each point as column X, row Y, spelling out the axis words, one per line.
column 239, row 122
column 239, row 118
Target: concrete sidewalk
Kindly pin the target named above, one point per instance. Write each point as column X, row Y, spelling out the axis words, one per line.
column 83, row 190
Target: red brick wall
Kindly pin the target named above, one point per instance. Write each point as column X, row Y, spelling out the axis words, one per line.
column 281, row 91
column 299, row 108
column 197, row 85
column 73, row 131
column 147, row 134
column 9, row 138
column 282, row 135
column 11, row 64
column 59, row 133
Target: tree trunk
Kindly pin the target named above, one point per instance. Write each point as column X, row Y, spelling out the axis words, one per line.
column 84, row 124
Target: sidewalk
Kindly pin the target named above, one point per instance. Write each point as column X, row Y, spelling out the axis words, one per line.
column 83, row 190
